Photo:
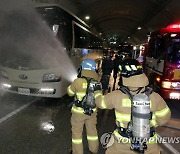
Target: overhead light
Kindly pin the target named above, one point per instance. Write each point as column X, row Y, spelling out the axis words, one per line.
column 128, row 37
column 134, row 48
column 141, row 47
column 87, row 17
column 139, row 28
column 100, row 33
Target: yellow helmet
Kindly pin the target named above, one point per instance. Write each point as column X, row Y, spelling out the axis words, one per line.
column 132, row 73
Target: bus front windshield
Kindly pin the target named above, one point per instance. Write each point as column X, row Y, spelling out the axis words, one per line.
column 174, row 51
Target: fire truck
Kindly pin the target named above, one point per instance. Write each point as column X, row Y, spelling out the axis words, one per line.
column 162, row 61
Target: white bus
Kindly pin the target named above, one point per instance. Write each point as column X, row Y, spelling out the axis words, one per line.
column 22, row 74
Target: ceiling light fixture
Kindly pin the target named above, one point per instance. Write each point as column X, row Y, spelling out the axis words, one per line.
column 87, row 17
column 139, row 28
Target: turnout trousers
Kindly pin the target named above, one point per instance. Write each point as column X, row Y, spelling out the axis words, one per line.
column 77, row 122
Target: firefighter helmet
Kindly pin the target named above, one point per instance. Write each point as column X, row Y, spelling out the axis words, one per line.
column 130, row 67
column 132, row 73
column 88, row 64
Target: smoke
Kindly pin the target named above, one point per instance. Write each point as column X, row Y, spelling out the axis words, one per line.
column 24, row 36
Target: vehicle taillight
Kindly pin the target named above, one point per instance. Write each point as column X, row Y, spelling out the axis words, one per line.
column 166, row 84
column 158, row 79
column 171, row 85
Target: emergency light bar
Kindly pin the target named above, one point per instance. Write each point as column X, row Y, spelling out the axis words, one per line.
column 174, row 26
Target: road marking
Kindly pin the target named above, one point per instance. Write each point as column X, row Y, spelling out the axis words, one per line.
column 171, row 127
column 14, row 112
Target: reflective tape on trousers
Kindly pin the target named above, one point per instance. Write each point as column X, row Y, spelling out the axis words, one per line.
column 76, row 141
column 92, row 138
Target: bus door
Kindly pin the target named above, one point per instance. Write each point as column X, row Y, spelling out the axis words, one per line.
column 155, row 56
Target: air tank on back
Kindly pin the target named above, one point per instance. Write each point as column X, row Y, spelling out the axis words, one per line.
column 141, row 116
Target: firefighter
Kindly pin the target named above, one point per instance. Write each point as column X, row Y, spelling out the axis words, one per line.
column 84, row 112
column 107, row 67
column 116, row 63
column 154, row 111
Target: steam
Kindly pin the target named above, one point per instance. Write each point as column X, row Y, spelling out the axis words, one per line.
column 23, row 35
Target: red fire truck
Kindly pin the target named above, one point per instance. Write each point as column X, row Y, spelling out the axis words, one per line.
column 162, row 61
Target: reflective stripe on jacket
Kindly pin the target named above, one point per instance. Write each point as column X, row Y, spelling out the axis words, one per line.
column 69, row 91
column 124, row 118
column 78, row 89
column 163, row 112
column 80, row 110
column 122, row 105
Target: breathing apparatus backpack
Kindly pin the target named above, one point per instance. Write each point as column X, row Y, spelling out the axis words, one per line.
column 88, row 101
column 138, row 129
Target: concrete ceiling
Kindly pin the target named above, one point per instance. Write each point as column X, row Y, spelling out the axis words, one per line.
column 121, row 18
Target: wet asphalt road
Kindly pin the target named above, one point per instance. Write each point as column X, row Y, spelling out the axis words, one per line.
column 22, row 132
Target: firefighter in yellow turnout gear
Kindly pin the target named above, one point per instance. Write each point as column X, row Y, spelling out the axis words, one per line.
column 135, row 81
column 83, row 113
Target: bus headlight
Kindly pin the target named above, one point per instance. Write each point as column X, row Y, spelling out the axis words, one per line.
column 4, row 74
column 51, row 77
column 171, row 85
column 5, row 86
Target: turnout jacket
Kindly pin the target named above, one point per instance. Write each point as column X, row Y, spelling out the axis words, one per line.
column 121, row 104
column 78, row 89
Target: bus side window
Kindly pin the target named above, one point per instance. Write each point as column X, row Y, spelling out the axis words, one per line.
column 160, row 48
column 151, row 48
column 82, row 38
